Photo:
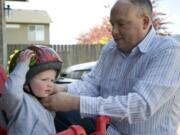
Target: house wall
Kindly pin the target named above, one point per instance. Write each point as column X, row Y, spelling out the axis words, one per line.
column 20, row 35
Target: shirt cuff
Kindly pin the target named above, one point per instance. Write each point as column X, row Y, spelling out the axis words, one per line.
column 88, row 106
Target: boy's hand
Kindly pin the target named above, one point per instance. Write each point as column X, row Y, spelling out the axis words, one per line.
column 26, row 55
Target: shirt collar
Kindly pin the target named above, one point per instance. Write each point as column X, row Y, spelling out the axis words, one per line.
column 145, row 44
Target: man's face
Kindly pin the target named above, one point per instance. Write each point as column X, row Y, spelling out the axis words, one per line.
column 127, row 26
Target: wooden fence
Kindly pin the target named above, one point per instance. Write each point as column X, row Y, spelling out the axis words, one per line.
column 71, row 54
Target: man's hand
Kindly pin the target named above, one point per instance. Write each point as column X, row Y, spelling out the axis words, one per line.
column 62, row 101
column 60, row 87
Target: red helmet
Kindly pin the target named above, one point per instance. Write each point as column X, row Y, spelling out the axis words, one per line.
column 45, row 58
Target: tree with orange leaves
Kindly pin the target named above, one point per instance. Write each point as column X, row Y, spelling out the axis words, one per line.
column 99, row 34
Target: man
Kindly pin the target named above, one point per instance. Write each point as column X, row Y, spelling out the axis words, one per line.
column 136, row 80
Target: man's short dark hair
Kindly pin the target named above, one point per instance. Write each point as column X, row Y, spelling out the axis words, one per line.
column 144, row 5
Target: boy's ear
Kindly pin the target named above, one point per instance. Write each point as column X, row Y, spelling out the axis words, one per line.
column 26, row 87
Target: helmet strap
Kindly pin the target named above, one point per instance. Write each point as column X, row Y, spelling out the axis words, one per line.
column 29, row 91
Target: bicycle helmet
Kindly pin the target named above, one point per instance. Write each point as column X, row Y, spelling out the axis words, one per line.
column 45, row 58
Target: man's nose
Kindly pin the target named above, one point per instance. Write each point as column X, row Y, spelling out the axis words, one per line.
column 115, row 30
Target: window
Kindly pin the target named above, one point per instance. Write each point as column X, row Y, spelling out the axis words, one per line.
column 36, row 33
column 13, row 26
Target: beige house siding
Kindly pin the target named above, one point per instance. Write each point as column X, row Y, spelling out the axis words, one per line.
column 20, row 20
column 20, row 35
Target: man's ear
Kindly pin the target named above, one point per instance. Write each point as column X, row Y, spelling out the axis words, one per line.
column 146, row 21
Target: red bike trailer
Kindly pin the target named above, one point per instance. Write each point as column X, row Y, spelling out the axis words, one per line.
column 3, row 131
column 101, row 123
column 3, row 78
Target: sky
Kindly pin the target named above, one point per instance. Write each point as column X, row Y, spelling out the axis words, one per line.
column 70, row 18
column 172, row 10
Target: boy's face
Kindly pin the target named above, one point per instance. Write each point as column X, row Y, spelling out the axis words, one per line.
column 42, row 84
